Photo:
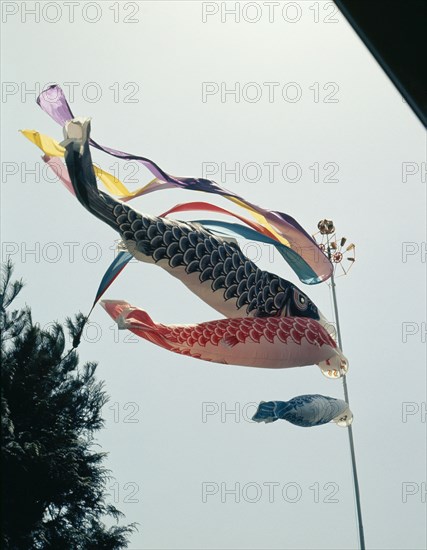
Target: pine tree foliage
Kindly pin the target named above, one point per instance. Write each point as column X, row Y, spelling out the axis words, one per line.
column 53, row 479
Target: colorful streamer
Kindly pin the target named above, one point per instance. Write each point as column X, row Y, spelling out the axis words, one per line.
column 285, row 229
column 114, row 270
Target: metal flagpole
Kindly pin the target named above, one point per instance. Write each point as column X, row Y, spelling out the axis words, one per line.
column 350, row 429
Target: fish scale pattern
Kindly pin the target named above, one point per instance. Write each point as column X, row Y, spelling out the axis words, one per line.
column 196, row 249
column 235, row 331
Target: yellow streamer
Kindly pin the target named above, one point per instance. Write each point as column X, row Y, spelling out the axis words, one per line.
column 52, row 148
column 260, row 219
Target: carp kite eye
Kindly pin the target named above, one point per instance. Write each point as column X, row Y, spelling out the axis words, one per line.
column 300, row 300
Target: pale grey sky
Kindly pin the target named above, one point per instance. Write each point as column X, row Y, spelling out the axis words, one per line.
column 142, row 82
